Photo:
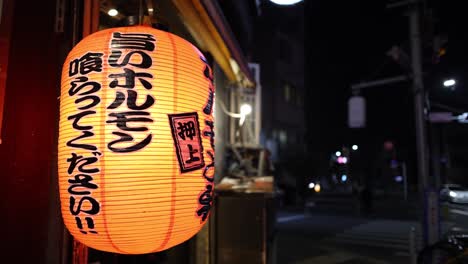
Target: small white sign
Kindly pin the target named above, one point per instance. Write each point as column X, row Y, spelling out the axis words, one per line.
column 440, row 117
column 356, row 112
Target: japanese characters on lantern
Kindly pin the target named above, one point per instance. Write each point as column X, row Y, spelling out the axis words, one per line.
column 83, row 167
column 136, row 44
column 136, row 140
column 206, row 198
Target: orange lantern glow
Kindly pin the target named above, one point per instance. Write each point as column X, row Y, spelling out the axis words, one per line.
column 136, row 142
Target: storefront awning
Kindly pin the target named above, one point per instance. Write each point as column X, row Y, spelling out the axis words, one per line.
column 205, row 21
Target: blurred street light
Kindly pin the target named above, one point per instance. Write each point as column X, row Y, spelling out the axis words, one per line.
column 338, row 153
column 245, row 110
column 344, row 178
column 285, row 2
column 462, row 118
column 388, row 145
column 317, row 188
column 449, row 83
column 342, row 160
column 355, row 147
column 113, row 12
column 311, row 185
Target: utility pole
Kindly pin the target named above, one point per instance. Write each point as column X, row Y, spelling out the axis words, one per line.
column 417, row 88
column 429, row 196
column 419, row 96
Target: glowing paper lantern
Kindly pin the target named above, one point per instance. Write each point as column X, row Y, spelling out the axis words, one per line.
column 136, row 143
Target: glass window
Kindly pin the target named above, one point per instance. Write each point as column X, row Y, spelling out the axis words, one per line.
column 283, row 137
column 289, row 92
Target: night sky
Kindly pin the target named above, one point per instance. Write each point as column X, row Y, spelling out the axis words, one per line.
column 346, row 42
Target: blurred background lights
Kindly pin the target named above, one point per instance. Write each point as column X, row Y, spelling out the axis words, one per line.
column 338, row 153
column 398, row 178
column 311, row 185
column 317, row 188
column 342, row 160
column 285, row 2
column 462, row 118
column 449, row 83
column 113, row 12
column 344, row 178
column 355, row 147
column 246, row 109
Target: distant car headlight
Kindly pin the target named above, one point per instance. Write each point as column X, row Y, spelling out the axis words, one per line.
column 453, row 194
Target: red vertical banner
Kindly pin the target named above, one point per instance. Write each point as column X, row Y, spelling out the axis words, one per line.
column 6, row 8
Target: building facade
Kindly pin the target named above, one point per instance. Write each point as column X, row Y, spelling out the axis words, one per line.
column 35, row 37
column 280, row 52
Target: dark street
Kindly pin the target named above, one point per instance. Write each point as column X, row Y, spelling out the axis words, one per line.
column 331, row 231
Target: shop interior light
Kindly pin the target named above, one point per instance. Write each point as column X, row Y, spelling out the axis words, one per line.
column 245, row 110
column 112, row 12
column 317, row 188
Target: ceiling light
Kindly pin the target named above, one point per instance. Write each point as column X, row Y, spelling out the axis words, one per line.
column 113, row 12
column 285, row 2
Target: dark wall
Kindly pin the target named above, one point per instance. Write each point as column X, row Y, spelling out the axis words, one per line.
column 241, row 16
column 28, row 151
column 280, row 51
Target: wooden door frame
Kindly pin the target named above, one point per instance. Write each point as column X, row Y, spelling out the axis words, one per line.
column 6, row 22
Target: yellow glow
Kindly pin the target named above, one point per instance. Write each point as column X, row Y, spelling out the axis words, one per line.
column 317, row 187
column 112, row 12
column 146, row 202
